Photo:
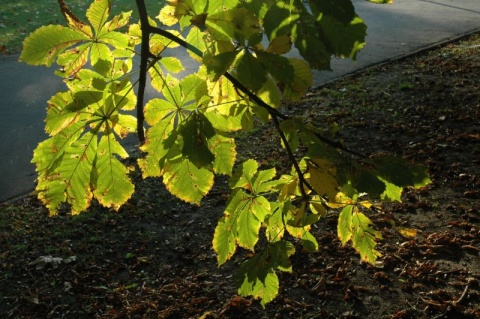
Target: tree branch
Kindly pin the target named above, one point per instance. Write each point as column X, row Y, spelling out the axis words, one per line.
column 303, row 181
column 144, row 55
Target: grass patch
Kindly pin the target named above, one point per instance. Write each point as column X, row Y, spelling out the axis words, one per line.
column 19, row 18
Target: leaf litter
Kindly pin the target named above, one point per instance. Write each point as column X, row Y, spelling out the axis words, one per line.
column 154, row 258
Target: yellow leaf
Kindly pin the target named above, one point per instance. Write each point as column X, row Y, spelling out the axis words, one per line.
column 167, row 16
column 341, row 200
column 407, row 232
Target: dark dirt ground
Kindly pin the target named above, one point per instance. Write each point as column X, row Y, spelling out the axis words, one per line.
column 153, row 259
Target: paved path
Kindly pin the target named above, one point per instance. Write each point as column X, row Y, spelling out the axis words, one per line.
column 393, row 31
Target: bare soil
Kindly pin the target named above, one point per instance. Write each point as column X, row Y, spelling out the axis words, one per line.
column 154, row 259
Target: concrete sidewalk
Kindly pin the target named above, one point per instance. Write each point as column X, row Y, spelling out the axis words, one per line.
column 393, row 31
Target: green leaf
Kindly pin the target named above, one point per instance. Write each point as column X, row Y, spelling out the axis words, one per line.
column 196, row 38
column 280, row 18
column 220, row 5
column 74, row 22
column 62, row 113
column 275, row 226
column 392, row 192
column 100, row 52
column 344, row 40
column 224, row 151
column 278, row 66
column 97, row 14
column 395, row 170
column 420, row 175
column 227, row 111
column 262, row 181
column 117, row 22
column 260, row 207
column 280, row 45
column 279, row 254
column 323, row 178
column 250, row 71
column 71, row 176
column 194, row 141
column 218, row 65
column 44, row 45
column 340, row 10
column 309, row 242
column 302, row 80
column 160, row 145
column 184, row 96
column 286, row 18
column 242, row 178
column 310, row 45
column 248, row 177
column 256, row 278
column 115, row 39
column 271, row 95
column 344, row 226
column 354, row 226
column 112, row 185
column 238, row 23
column 248, row 223
column 224, row 239
column 124, row 125
column 367, row 182
column 172, row 64
column 186, row 181
column 157, row 78
column 364, row 236
column 72, row 61
column 290, row 129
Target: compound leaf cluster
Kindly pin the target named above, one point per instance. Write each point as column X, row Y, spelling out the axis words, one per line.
column 246, row 68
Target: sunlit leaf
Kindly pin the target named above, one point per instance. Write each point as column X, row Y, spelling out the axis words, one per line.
column 257, row 278
column 364, row 237
column 354, row 226
column 186, row 181
column 237, row 23
column 97, row 14
column 44, row 45
column 225, row 153
column 112, row 185
column 344, row 226
column 224, row 239
column 167, row 16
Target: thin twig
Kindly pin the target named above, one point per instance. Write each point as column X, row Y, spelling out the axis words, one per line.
column 463, row 296
column 303, row 181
